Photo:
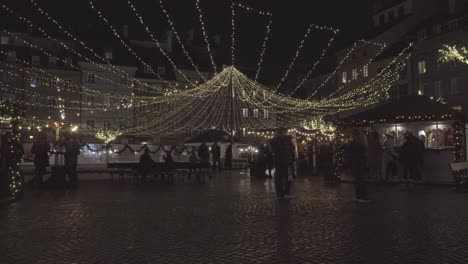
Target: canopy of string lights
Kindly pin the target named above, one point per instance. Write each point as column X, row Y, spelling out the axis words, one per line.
column 229, row 100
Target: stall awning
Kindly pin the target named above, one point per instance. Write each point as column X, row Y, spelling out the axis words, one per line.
column 406, row 109
column 211, row 136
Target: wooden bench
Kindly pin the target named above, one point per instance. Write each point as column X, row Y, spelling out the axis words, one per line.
column 459, row 171
column 171, row 170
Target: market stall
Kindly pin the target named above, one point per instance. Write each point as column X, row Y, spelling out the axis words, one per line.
column 436, row 125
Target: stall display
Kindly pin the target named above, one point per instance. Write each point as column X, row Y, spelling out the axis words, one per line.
column 438, row 127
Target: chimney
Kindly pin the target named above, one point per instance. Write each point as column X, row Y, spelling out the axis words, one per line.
column 169, row 39
column 125, row 31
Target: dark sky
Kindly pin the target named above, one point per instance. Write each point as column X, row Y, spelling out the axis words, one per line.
column 290, row 21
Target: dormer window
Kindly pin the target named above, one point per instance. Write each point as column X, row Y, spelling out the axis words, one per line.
column 36, row 60
column 108, row 55
column 52, row 61
column 4, row 40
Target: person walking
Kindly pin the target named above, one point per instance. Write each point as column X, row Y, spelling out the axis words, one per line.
column 228, row 157
column 374, row 156
column 40, row 150
column 269, row 160
column 204, row 153
column 216, row 153
column 283, row 153
column 358, row 152
column 72, row 151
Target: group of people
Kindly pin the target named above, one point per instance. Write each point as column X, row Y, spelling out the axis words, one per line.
column 366, row 158
column 41, row 149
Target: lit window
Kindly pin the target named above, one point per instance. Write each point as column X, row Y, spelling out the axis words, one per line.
column 4, row 40
column 344, row 77
column 266, row 114
column 422, row 67
column 354, row 74
column 36, row 60
column 457, row 107
column 162, row 70
column 454, row 86
column 11, row 56
column 108, row 55
column 438, row 91
column 52, row 61
column 365, row 71
column 255, row 113
column 245, row 112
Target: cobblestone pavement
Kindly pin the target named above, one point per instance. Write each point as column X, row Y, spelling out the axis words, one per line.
column 235, row 220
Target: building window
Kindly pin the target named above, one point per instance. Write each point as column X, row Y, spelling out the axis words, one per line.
column 453, row 25
column 11, row 56
column 437, row 65
column 365, row 71
column 245, row 112
column 422, row 34
column 344, row 77
column 255, row 113
column 401, row 11
column 123, row 80
column 108, row 55
column 147, row 69
column 68, row 62
column 437, row 29
column 266, row 114
column 457, row 108
column 391, row 16
column 355, row 74
column 438, row 90
column 4, row 40
column 421, row 88
column 34, row 82
column 162, row 70
column 91, row 77
column 454, row 86
column 90, row 123
column 36, row 60
column 382, row 20
column 403, row 90
column 52, row 61
column 422, row 67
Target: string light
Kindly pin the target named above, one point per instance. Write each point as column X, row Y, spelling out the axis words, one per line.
column 205, row 35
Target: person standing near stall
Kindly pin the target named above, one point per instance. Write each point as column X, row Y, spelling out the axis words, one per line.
column 283, row 154
column 216, row 152
column 72, row 151
column 358, row 152
column 374, row 157
column 40, row 150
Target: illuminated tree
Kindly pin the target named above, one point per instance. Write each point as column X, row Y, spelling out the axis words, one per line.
column 108, row 135
column 453, row 53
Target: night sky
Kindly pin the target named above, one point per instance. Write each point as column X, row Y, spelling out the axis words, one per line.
column 290, row 21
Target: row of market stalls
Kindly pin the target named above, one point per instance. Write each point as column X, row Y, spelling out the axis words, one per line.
column 440, row 128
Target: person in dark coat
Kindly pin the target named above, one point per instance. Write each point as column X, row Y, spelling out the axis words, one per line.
column 358, row 160
column 72, row 151
column 204, row 153
column 269, row 160
column 228, row 157
column 283, row 153
column 145, row 164
column 216, row 152
column 40, row 150
column 410, row 158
